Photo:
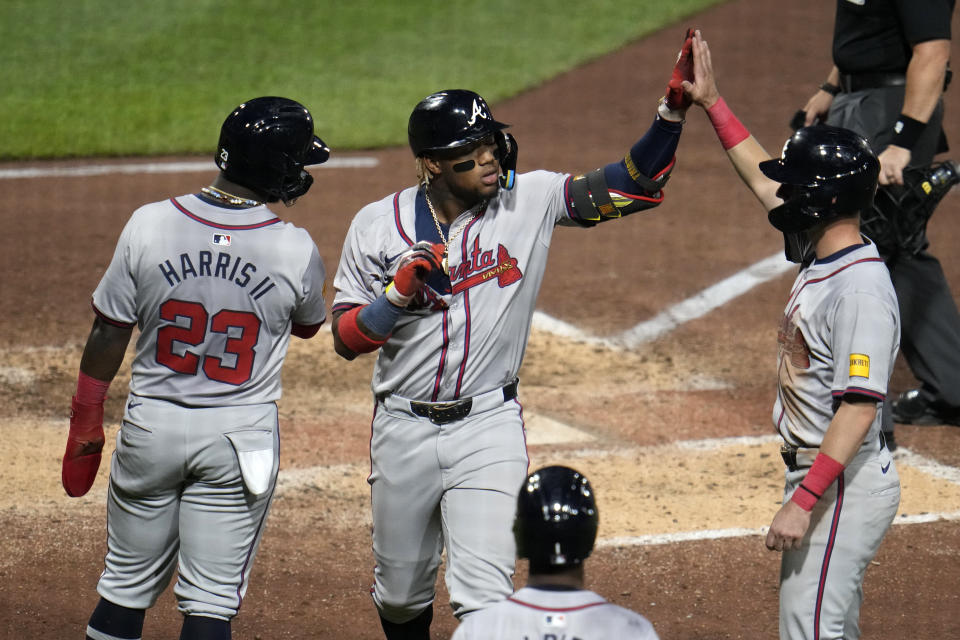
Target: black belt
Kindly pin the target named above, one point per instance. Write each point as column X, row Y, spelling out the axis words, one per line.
column 789, row 453
column 444, row 412
column 860, row 81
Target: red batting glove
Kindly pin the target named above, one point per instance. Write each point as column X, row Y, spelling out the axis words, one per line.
column 413, row 269
column 675, row 98
column 84, row 444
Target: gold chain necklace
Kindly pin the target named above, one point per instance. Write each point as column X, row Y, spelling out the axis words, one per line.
column 446, row 241
column 229, row 198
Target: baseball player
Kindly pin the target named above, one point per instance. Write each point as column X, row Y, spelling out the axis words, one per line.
column 555, row 527
column 441, row 279
column 838, row 340
column 216, row 283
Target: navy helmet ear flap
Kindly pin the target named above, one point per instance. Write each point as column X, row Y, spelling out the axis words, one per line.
column 803, row 208
column 507, row 152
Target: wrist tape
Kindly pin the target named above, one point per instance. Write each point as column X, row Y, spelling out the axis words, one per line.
column 821, row 475
column 729, row 129
column 396, row 298
column 90, row 390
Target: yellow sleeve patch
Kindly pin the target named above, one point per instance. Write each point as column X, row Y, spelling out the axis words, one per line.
column 859, row 365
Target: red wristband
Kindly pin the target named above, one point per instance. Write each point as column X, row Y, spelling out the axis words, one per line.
column 90, row 390
column 351, row 335
column 729, row 129
column 818, row 479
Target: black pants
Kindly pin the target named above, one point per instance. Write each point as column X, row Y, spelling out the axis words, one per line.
column 930, row 322
column 929, row 327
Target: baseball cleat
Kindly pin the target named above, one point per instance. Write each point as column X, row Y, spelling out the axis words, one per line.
column 911, row 407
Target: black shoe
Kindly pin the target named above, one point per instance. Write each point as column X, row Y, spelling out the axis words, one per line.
column 416, row 629
column 910, row 407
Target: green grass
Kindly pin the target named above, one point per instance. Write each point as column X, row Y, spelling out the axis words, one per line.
column 101, row 77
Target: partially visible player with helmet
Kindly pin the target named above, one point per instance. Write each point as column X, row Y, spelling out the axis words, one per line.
column 441, row 279
column 555, row 528
column 216, row 284
column 838, row 340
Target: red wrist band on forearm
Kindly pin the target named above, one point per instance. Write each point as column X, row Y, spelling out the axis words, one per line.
column 729, row 129
column 821, row 475
column 351, row 335
column 90, row 390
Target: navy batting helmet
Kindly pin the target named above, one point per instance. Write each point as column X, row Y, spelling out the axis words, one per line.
column 825, row 173
column 450, row 119
column 556, row 522
column 265, row 144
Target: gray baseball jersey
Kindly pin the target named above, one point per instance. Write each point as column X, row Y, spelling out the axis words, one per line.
column 839, row 335
column 838, row 338
column 554, row 614
column 470, row 330
column 462, row 338
column 215, row 292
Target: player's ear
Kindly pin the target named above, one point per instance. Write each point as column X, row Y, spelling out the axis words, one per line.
column 431, row 165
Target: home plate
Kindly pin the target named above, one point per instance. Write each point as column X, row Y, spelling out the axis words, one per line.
column 544, row 430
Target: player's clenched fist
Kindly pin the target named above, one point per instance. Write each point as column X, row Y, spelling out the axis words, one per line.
column 413, row 268
column 81, row 460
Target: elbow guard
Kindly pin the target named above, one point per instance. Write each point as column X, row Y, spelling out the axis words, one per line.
column 595, row 201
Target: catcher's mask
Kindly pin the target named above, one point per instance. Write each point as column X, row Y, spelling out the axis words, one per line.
column 265, row 144
column 556, row 522
column 824, row 173
column 447, row 120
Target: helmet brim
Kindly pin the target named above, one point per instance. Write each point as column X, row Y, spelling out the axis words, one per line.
column 317, row 153
column 778, row 172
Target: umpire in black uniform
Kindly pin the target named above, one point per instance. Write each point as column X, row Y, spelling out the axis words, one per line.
column 891, row 67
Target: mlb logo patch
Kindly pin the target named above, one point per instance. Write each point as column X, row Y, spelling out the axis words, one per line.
column 555, row 620
column 221, row 239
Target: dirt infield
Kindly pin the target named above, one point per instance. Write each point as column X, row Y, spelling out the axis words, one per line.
column 624, row 417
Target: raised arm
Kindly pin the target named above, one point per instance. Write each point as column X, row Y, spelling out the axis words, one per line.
column 635, row 182
column 743, row 150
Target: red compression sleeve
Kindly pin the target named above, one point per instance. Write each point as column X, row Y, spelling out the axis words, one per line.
column 821, row 475
column 729, row 129
column 90, row 390
column 351, row 335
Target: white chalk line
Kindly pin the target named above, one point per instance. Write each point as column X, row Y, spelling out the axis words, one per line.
column 295, row 479
column 358, row 162
column 717, row 534
column 692, row 308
